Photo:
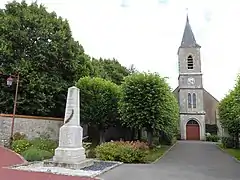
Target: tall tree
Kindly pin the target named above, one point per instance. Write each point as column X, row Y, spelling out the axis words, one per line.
column 99, row 103
column 110, row 69
column 229, row 112
column 39, row 45
column 147, row 102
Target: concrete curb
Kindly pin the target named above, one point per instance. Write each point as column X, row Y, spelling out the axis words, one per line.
column 169, row 149
column 9, row 150
column 235, row 159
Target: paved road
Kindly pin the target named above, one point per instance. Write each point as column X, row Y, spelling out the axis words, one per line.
column 188, row 160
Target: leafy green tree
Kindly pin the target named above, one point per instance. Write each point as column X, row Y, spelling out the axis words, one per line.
column 110, row 69
column 229, row 112
column 147, row 102
column 99, row 103
column 39, row 45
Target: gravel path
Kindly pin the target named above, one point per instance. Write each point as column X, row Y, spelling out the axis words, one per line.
column 92, row 171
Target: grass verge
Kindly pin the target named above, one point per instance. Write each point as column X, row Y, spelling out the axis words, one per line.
column 155, row 153
column 233, row 152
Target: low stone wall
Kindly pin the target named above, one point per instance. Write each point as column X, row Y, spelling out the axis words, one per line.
column 32, row 126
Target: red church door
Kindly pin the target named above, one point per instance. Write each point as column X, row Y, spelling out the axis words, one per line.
column 192, row 130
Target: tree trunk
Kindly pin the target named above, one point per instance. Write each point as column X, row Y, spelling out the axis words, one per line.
column 150, row 137
column 101, row 136
column 236, row 140
column 133, row 134
column 139, row 134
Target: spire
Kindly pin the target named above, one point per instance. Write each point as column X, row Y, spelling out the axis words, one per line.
column 188, row 39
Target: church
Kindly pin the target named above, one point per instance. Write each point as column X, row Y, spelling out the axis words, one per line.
column 198, row 108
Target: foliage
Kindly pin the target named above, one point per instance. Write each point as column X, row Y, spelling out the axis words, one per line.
column 127, row 152
column 39, row 45
column 19, row 146
column 147, row 102
column 212, row 138
column 99, row 102
column 234, row 152
column 229, row 112
column 44, row 144
column 228, row 142
column 110, row 69
column 211, row 128
column 91, row 153
column 155, row 153
column 19, row 136
column 33, row 154
column 166, row 137
column 22, row 145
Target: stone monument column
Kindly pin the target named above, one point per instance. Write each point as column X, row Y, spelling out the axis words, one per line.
column 70, row 150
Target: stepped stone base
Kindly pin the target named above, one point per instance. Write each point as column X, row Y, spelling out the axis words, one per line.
column 75, row 165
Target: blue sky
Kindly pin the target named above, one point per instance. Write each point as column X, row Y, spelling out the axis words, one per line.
column 147, row 33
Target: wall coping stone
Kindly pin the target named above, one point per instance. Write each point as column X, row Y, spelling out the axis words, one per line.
column 32, row 117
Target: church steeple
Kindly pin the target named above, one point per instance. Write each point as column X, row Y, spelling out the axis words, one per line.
column 188, row 39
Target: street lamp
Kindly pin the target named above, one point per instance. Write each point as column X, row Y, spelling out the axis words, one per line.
column 9, row 83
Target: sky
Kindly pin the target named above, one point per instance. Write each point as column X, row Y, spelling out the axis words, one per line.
column 147, row 33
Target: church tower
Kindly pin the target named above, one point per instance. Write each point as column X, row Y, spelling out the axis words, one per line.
column 190, row 87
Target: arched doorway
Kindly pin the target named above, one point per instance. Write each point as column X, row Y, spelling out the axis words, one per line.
column 192, row 130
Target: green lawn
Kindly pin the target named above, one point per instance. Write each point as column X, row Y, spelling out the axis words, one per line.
column 155, row 153
column 233, row 152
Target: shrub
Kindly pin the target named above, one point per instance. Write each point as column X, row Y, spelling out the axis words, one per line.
column 211, row 128
column 19, row 146
column 127, row 152
column 33, row 154
column 227, row 142
column 91, row 153
column 44, row 144
column 166, row 138
column 19, row 136
column 212, row 138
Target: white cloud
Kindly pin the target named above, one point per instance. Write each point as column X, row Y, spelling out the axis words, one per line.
column 147, row 34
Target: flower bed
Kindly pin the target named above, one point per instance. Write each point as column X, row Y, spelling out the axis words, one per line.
column 128, row 152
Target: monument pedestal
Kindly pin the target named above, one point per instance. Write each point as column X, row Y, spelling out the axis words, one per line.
column 70, row 165
column 70, row 152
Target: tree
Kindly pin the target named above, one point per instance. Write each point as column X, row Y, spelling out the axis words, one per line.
column 99, row 103
column 229, row 112
column 39, row 45
column 147, row 102
column 110, row 69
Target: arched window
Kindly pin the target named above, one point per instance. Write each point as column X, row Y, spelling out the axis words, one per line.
column 192, row 122
column 190, row 62
column 189, row 100
column 194, row 100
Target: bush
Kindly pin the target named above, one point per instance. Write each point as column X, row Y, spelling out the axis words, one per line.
column 211, row 128
column 19, row 136
column 166, row 138
column 33, row 154
column 91, row 153
column 227, row 142
column 19, row 146
column 44, row 144
column 212, row 138
column 127, row 152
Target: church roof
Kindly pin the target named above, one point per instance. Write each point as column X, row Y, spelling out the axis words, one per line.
column 188, row 39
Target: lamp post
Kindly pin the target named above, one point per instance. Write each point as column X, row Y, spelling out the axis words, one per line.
column 9, row 83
